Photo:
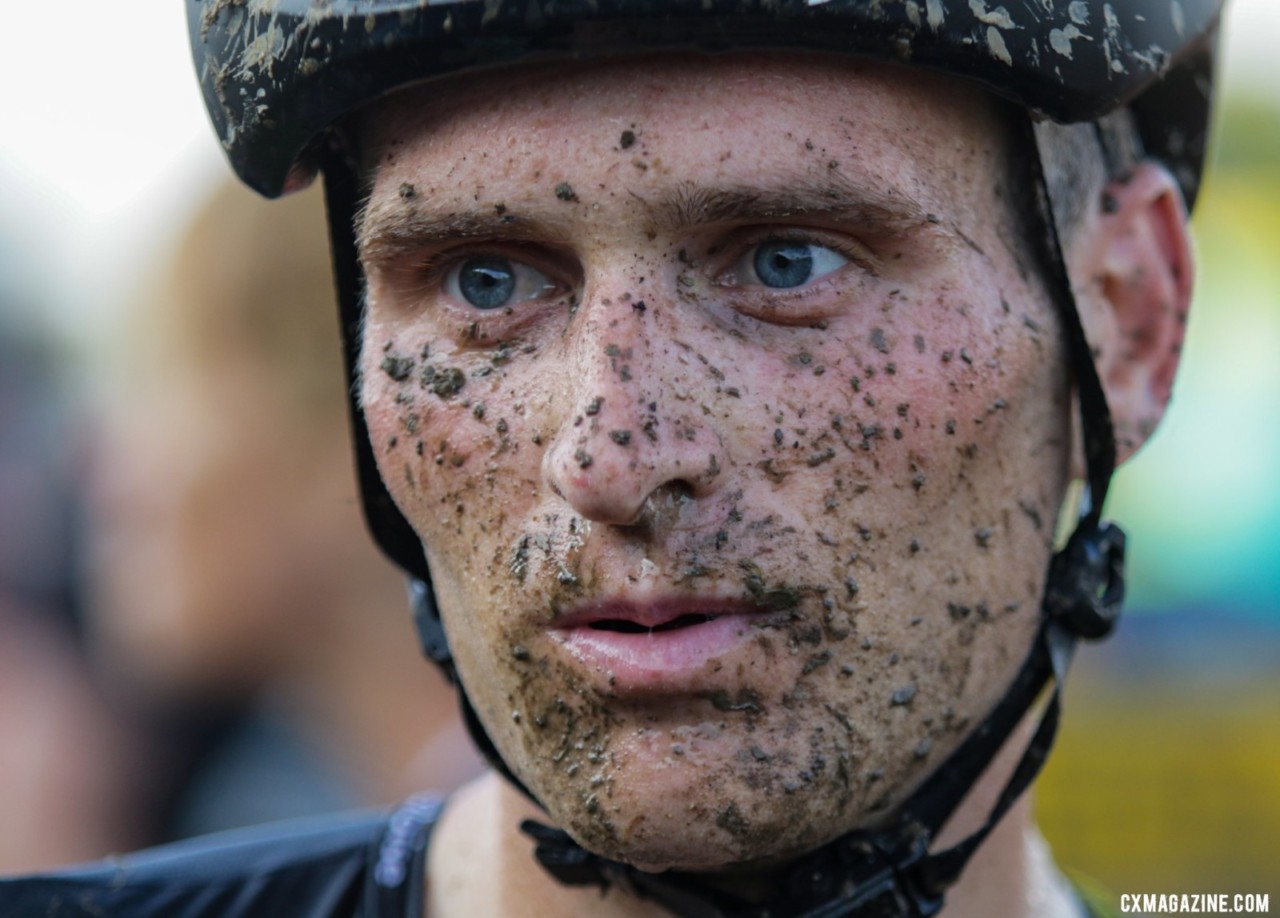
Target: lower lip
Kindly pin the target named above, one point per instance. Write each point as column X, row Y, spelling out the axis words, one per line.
column 657, row 659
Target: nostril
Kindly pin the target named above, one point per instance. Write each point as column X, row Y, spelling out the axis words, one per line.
column 661, row 508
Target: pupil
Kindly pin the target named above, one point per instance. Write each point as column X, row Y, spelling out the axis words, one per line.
column 783, row 264
column 487, row 282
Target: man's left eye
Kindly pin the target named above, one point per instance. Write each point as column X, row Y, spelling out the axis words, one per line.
column 784, row 264
column 494, row 281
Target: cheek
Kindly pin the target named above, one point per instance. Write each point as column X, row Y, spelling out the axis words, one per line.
column 453, row 442
column 905, row 394
column 912, row 460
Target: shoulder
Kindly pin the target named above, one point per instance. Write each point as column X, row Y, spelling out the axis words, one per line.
column 361, row 865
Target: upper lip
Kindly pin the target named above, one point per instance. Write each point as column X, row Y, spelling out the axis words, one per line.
column 651, row 613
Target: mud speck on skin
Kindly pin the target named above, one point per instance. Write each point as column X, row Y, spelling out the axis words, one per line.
column 520, row 559
column 627, row 140
column 397, row 366
column 746, row 700
column 445, row 382
column 732, row 821
column 878, row 340
column 777, row 599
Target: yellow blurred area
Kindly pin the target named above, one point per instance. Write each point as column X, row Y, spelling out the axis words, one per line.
column 1166, row 774
column 1167, row 789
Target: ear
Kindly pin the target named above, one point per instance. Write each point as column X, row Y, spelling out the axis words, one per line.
column 1132, row 271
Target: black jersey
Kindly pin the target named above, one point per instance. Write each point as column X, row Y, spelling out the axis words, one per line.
column 355, row 865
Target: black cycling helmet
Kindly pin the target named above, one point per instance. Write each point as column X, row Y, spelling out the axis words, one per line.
column 279, row 75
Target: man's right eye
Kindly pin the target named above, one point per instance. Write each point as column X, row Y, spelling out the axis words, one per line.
column 494, row 281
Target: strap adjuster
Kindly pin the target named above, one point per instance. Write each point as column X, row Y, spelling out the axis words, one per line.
column 1086, row 583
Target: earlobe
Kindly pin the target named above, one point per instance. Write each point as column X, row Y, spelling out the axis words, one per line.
column 1133, row 255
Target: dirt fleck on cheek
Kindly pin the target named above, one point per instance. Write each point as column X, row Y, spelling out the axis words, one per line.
column 444, row 382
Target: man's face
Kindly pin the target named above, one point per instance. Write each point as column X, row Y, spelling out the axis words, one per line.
column 732, row 424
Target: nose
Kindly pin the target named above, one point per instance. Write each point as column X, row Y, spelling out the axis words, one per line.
column 633, row 421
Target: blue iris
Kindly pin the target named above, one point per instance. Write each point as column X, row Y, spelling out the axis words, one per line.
column 487, row 282
column 784, row 264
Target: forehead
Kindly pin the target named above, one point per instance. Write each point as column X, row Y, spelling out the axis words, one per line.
column 906, row 126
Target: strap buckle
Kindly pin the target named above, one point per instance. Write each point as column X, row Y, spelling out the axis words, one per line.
column 1086, row 586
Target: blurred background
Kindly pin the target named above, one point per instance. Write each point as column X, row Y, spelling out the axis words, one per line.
column 114, row 204
column 1167, row 773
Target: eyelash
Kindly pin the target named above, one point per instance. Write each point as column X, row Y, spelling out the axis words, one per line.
column 767, row 303
column 852, row 250
column 432, row 274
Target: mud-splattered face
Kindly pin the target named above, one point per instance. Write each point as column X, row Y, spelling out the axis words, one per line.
column 732, row 425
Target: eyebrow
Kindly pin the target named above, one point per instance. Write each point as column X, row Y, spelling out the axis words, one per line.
column 835, row 197
column 388, row 230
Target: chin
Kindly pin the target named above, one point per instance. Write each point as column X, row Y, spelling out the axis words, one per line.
column 657, row 845
column 707, row 809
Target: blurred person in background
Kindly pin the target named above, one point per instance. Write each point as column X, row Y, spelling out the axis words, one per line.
column 223, row 571
column 53, row 715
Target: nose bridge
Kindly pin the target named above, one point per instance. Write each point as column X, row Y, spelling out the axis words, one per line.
column 620, row 436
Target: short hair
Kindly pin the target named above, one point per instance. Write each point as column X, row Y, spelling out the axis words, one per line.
column 1080, row 159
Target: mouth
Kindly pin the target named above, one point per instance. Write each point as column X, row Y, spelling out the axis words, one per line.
column 623, row 626
column 655, row 645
